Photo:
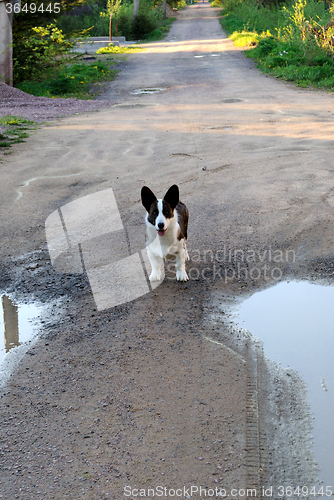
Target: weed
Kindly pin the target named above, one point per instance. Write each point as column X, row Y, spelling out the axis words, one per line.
column 16, row 130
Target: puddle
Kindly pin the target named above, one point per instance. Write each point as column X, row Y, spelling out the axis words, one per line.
column 134, row 105
column 18, row 324
column 295, row 322
column 146, row 91
column 221, row 127
column 232, row 100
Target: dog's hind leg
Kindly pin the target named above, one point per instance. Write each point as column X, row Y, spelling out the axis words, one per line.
column 186, row 251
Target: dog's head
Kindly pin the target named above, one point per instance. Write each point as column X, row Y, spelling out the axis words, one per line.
column 160, row 212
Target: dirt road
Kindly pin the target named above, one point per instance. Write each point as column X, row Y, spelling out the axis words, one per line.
column 161, row 391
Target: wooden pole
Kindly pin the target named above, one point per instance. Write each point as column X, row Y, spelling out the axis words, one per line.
column 6, row 51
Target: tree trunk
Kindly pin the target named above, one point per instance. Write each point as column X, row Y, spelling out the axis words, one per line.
column 135, row 9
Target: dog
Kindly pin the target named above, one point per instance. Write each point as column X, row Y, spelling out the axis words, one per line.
column 166, row 231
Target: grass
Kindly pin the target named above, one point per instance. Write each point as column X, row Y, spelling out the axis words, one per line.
column 291, row 41
column 16, row 130
column 73, row 80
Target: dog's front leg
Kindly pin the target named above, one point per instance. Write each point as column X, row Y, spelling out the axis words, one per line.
column 180, row 266
column 156, row 263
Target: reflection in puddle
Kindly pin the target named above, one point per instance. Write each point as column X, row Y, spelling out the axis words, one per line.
column 16, row 324
column 295, row 321
column 146, row 91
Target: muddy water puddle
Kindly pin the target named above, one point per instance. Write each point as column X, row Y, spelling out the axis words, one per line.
column 154, row 90
column 18, row 324
column 295, row 322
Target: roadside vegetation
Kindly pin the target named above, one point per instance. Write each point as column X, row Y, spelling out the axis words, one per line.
column 291, row 40
column 14, row 129
column 76, row 79
column 95, row 18
column 44, row 61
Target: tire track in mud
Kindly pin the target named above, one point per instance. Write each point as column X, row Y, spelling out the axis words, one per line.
column 278, row 421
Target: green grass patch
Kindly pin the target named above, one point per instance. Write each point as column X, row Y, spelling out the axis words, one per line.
column 75, row 80
column 14, row 130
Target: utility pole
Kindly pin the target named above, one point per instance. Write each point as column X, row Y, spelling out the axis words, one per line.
column 6, row 49
column 164, row 8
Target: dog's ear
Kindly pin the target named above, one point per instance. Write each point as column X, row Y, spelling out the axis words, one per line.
column 147, row 197
column 172, row 196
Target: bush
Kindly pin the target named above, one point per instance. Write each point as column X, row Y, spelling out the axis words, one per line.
column 39, row 49
column 144, row 23
column 124, row 17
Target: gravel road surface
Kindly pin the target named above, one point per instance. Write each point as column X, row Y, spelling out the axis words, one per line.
column 165, row 390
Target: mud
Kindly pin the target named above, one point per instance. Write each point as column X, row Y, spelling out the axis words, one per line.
column 294, row 321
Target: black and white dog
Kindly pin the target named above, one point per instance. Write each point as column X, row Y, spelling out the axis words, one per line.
column 166, row 231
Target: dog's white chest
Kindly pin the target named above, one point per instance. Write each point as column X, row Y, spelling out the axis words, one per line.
column 163, row 246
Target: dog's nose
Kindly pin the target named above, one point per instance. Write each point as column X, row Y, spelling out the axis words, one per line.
column 161, row 225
